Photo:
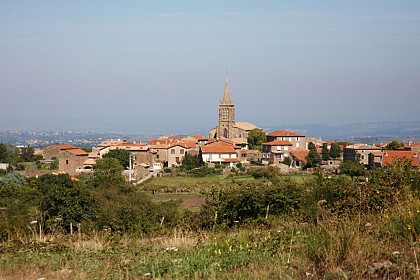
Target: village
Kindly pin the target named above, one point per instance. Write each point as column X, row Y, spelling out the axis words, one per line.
column 227, row 145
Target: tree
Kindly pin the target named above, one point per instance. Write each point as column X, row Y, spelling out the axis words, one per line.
column 123, row 156
column 393, row 145
column 27, row 154
column 313, row 158
column 13, row 178
column 191, row 161
column 108, row 171
column 352, row 168
column 287, row 161
column 3, row 152
column 255, row 139
column 335, row 151
column 63, row 201
column 325, row 153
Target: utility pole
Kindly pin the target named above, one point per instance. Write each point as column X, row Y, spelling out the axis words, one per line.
column 129, row 168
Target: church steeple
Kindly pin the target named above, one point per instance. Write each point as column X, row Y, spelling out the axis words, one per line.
column 226, row 125
column 226, row 99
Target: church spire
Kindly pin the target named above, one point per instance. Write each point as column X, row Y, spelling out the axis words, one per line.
column 227, row 99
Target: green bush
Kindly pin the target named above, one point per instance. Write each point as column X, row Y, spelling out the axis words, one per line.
column 263, row 172
column 61, row 199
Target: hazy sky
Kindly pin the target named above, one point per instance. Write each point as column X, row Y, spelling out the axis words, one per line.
column 164, row 62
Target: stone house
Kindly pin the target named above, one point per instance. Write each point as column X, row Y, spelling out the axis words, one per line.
column 176, row 153
column 296, row 139
column 249, row 156
column 299, row 158
column 72, row 160
column 359, row 152
column 275, row 151
column 53, row 151
column 160, row 154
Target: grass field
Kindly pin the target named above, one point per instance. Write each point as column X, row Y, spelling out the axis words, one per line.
column 364, row 249
column 191, row 190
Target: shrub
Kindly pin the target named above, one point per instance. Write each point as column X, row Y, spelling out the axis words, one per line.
column 61, row 199
column 352, row 168
column 263, row 172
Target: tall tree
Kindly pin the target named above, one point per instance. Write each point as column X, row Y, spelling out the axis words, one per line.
column 3, row 152
column 27, row 154
column 255, row 139
column 313, row 158
column 335, row 151
column 325, row 153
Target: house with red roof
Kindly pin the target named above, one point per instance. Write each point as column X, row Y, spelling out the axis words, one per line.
column 222, row 154
column 274, row 152
column 52, row 152
column 297, row 140
column 299, row 158
column 387, row 157
column 177, row 152
column 359, row 152
column 71, row 161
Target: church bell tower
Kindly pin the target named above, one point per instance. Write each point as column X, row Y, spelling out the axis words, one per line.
column 226, row 114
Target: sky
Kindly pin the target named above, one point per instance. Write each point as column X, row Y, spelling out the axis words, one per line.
column 161, row 65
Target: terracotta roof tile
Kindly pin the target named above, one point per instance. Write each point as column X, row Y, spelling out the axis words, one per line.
column 217, row 150
column 64, row 147
column 284, row 133
column 199, row 137
column 390, row 157
column 78, row 152
column 300, row 155
column 278, row 143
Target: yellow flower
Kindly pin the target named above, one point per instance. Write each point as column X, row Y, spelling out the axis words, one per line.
column 408, row 227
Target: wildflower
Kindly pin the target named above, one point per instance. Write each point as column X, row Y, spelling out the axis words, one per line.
column 408, row 226
column 171, row 249
column 33, row 222
column 177, row 262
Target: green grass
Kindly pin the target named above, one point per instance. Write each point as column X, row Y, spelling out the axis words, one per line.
column 284, row 249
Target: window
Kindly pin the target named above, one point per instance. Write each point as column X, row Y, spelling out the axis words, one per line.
column 182, row 151
column 177, row 159
column 286, row 148
column 67, row 161
column 173, row 151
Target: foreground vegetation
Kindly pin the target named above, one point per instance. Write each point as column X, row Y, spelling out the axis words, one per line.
column 259, row 226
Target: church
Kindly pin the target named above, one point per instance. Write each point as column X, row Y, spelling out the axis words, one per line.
column 227, row 127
